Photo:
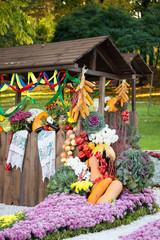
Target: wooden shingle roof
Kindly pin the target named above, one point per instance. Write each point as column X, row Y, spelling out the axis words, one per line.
column 138, row 64
column 99, row 54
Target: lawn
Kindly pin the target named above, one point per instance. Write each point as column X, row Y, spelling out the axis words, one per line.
column 149, row 125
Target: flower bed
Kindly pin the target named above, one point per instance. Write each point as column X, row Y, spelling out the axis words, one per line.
column 64, row 213
column 147, row 232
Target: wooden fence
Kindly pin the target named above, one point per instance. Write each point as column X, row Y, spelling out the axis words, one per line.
column 26, row 188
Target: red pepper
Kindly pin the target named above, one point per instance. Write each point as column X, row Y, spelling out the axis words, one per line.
column 80, row 147
column 86, row 139
column 79, row 140
column 81, row 154
column 105, row 176
column 113, row 178
column 46, row 127
column 88, row 153
column 98, row 155
column 103, row 162
column 68, row 127
column 102, row 169
column 85, row 147
column 97, row 180
column 83, row 134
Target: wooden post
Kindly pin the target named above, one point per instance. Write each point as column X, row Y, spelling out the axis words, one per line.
column 18, row 96
column 102, row 82
column 93, row 60
column 133, row 93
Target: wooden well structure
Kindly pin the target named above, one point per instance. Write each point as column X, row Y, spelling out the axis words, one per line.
column 104, row 62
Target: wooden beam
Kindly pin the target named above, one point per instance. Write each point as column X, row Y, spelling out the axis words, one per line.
column 93, row 59
column 39, row 69
column 107, row 60
column 97, row 73
column 133, row 93
column 102, row 82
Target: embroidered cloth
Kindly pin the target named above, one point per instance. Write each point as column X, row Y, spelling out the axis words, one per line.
column 17, row 149
column 46, row 148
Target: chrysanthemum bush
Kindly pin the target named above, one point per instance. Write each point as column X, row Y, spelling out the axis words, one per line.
column 147, row 232
column 18, row 120
column 64, row 213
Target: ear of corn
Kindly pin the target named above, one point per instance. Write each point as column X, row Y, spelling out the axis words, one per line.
column 122, row 91
column 84, row 99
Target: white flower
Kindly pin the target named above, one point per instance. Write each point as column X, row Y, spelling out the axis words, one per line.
column 50, row 120
column 106, row 108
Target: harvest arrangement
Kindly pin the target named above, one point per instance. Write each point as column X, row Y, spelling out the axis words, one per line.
column 91, row 177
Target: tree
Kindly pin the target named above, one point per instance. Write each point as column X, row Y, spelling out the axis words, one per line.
column 92, row 20
column 15, row 20
column 151, row 25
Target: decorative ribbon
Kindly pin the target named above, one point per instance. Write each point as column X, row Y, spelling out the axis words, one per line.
column 98, row 90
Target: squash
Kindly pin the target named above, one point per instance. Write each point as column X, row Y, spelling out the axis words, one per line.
column 93, row 163
column 1, row 129
column 112, row 191
column 98, row 190
column 111, row 104
column 38, row 121
column 109, row 150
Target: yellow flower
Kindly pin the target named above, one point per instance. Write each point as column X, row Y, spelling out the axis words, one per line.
column 70, row 119
column 81, row 185
column 2, row 118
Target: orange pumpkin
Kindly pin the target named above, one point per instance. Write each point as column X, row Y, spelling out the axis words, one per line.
column 1, row 129
column 39, row 120
column 109, row 150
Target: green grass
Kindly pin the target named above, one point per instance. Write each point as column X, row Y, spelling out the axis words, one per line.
column 149, row 125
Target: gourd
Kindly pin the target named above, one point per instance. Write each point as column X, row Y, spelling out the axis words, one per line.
column 111, row 104
column 112, row 191
column 38, row 121
column 93, row 163
column 109, row 150
column 1, row 129
column 98, row 190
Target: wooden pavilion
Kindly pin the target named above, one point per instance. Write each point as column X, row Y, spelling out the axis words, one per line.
column 103, row 60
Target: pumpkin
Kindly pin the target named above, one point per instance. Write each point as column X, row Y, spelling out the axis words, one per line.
column 1, row 129
column 93, row 163
column 109, row 150
column 98, row 190
column 111, row 104
column 112, row 191
column 38, row 121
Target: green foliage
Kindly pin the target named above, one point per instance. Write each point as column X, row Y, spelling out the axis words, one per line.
column 62, row 180
column 15, row 19
column 135, row 169
column 127, row 219
column 92, row 20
